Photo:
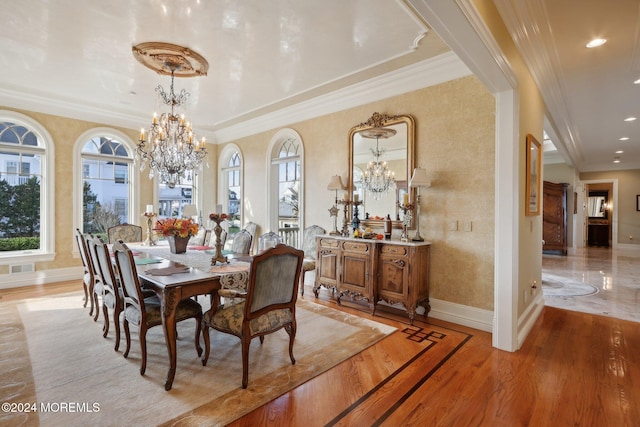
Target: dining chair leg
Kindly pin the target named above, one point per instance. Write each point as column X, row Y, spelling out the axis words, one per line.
column 127, row 336
column 116, row 325
column 143, row 348
column 105, row 315
column 97, row 305
column 207, row 344
column 86, row 296
column 246, row 342
column 291, row 330
column 91, row 300
column 197, row 338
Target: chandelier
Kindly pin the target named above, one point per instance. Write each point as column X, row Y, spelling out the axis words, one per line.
column 170, row 148
column 377, row 179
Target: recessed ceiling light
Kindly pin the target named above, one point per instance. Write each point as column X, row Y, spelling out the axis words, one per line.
column 619, row 152
column 596, row 43
column 624, row 138
column 636, row 82
column 629, row 119
column 616, row 160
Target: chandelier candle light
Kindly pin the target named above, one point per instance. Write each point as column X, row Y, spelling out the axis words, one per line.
column 170, row 147
column 377, row 178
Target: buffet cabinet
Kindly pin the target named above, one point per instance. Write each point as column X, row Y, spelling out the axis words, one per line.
column 374, row 270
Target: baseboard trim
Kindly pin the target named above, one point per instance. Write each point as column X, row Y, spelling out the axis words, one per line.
column 465, row 315
column 41, row 277
column 529, row 317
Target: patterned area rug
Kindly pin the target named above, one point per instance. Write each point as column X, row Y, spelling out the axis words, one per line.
column 558, row 286
column 53, row 355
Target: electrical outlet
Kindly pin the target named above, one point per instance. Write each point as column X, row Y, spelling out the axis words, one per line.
column 466, row 225
column 453, row 225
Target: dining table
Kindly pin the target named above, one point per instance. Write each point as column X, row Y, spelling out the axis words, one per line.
column 175, row 277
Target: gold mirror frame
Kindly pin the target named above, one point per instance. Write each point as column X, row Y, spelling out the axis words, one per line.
column 378, row 120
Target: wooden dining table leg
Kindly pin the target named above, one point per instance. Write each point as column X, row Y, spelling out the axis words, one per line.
column 169, row 303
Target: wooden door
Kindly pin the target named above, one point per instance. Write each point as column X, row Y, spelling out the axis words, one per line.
column 554, row 218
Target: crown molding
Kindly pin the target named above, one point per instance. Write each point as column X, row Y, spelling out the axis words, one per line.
column 423, row 74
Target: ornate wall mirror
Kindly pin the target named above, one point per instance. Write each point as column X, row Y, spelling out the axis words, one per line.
column 388, row 142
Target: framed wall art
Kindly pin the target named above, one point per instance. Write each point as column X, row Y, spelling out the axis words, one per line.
column 532, row 192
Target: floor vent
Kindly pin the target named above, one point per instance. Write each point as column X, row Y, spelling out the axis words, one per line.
column 22, row 268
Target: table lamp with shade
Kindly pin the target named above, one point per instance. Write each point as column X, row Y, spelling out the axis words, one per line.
column 335, row 184
column 419, row 180
column 189, row 211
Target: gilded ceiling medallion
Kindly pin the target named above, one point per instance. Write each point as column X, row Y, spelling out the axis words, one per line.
column 168, row 59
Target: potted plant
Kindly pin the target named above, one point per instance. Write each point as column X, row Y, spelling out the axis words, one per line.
column 177, row 231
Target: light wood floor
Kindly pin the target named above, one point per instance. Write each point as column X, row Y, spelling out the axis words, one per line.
column 574, row 369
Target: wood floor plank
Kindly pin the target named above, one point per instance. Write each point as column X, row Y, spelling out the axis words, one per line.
column 574, row 369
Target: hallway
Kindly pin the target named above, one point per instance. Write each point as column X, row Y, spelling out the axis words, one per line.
column 595, row 280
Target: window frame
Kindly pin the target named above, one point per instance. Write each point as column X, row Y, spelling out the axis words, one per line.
column 273, row 163
column 223, row 178
column 78, row 175
column 45, row 149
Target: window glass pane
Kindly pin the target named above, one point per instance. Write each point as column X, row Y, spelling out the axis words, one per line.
column 105, row 184
column 20, row 195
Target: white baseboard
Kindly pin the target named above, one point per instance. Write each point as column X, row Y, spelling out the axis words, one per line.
column 465, row 315
column 41, row 277
column 529, row 317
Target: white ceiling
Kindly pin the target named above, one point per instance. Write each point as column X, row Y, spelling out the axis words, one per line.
column 588, row 92
column 74, row 59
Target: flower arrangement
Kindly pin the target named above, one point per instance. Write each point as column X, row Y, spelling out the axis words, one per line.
column 218, row 217
column 179, row 227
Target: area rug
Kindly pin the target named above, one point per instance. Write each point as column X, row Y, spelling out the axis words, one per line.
column 558, row 286
column 53, row 356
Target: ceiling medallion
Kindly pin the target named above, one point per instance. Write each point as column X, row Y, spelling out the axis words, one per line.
column 156, row 56
column 170, row 148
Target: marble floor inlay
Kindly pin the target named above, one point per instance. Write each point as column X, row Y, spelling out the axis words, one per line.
column 594, row 280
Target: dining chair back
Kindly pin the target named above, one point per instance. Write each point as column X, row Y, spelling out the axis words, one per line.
column 87, row 277
column 251, row 228
column 269, row 303
column 111, row 292
column 241, row 242
column 125, row 232
column 268, row 240
column 309, row 247
column 146, row 312
column 98, row 287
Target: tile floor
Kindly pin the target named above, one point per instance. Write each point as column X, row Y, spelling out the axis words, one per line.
column 614, row 274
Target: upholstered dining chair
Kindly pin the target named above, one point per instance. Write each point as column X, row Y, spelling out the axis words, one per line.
column 88, row 276
column 268, row 240
column 241, row 242
column 309, row 247
column 252, row 228
column 98, row 287
column 144, row 312
column 269, row 303
column 125, row 232
column 112, row 297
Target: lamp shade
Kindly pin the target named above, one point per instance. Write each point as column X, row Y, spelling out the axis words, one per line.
column 335, row 183
column 419, row 178
column 189, row 211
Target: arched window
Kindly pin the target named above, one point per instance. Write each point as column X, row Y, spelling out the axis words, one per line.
column 107, row 188
column 231, row 186
column 286, row 186
column 26, row 195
